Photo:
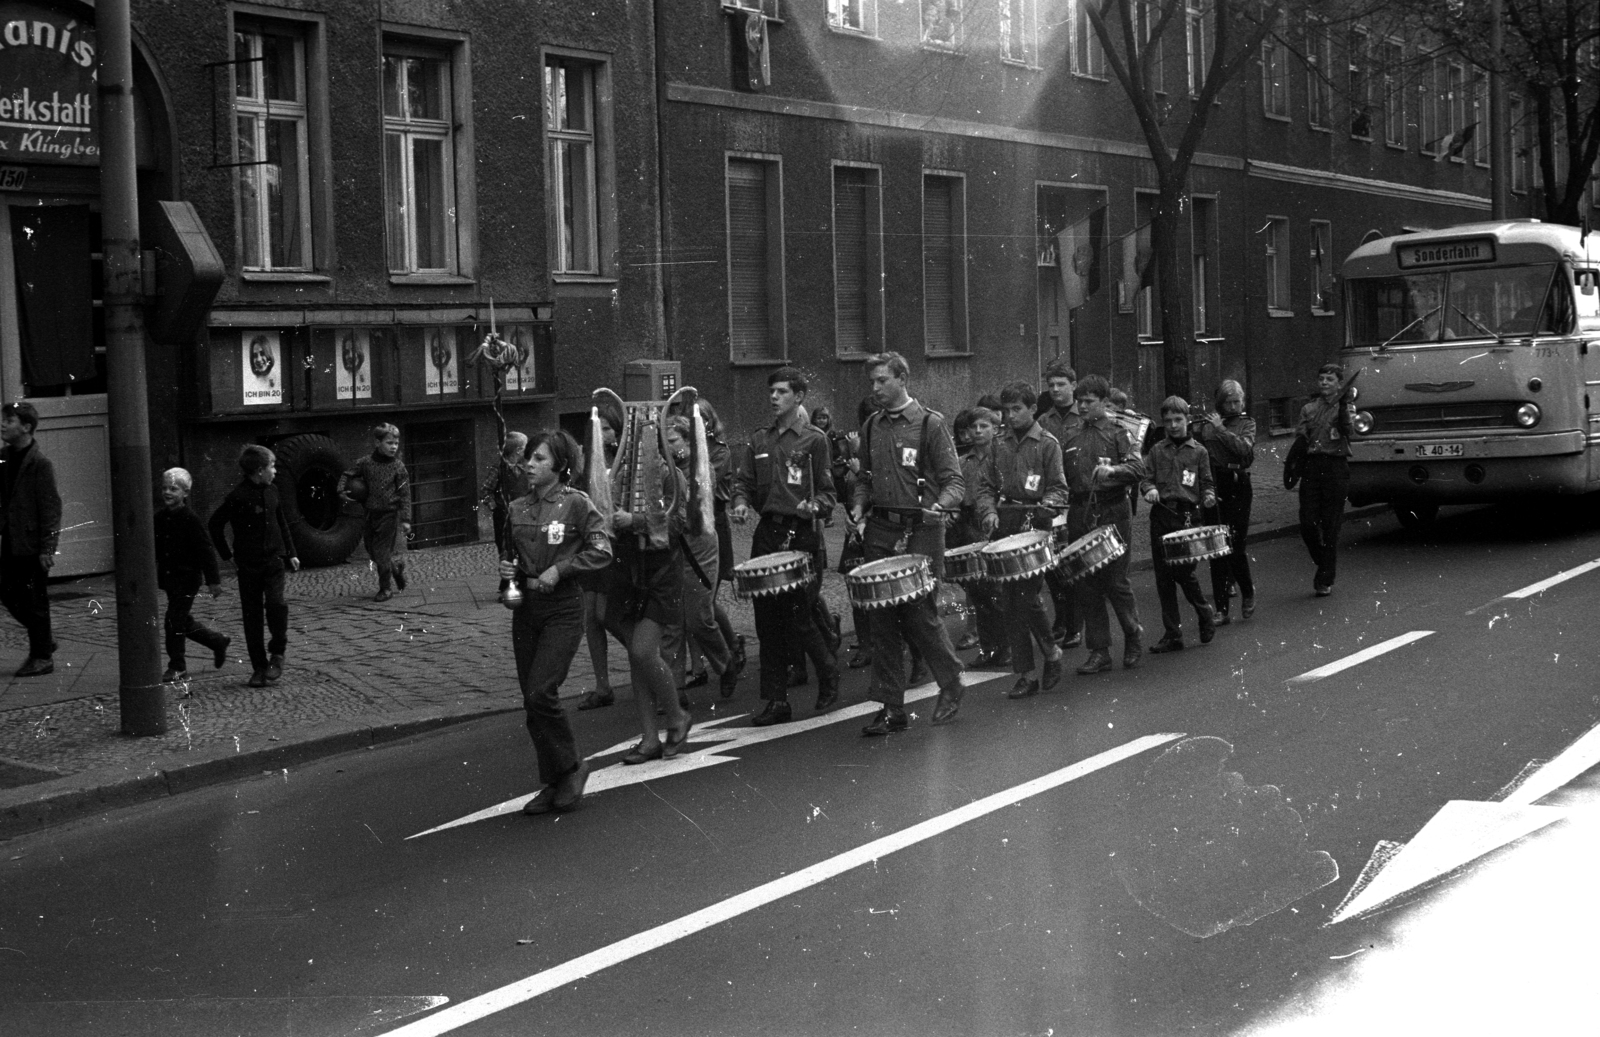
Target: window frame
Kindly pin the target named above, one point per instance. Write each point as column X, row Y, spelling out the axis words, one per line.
column 1480, row 118
column 1277, row 246
column 459, row 199
column 776, row 287
column 1394, row 90
column 1029, row 35
column 603, row 138
column 1319, row 76
column 833, row 18
column 1358, row 81
column 1457, row 96
column 958, row 35
column 1431, row 106
column 1274, row 78
column 960, row 338
column 1088, row 56
column 1205, row 284
column 873, row 302
column 1322, row 266
column 1516, row 111
column 1197, row 64
column 1146, row 320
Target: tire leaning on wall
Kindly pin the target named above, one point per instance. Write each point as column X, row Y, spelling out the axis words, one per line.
column 325, row 530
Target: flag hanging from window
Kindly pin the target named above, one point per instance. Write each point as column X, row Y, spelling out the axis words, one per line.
column 1136, row 253
column 1459, row 146
column 1078, row 251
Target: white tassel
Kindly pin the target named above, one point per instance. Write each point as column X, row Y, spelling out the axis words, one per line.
column 703, row 494
column 599, row 476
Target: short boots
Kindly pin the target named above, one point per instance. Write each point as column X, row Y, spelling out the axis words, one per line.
column 1051, row 675
column 1024, row 687
column 828, row 693
column 948, row 705
column 773, row 712
column 1098, row 662
column 887, row 720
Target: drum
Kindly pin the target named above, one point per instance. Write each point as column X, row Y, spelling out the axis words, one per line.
column 766, row 575
column 1091, row 552
column 889, row 581
column 1187, row 546
column 1019, row 556
column 964, row 564
column 1060, row 539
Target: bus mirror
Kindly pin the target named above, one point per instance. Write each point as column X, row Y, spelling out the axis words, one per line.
column 1586, row 280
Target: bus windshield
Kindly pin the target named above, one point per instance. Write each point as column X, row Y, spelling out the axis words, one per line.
column 1488, row 302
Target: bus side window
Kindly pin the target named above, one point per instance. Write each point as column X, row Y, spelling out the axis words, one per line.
column 1587, row 282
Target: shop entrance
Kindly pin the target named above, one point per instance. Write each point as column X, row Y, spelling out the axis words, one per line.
column 439, row 459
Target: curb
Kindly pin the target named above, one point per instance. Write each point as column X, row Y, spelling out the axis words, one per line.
column 50, row 803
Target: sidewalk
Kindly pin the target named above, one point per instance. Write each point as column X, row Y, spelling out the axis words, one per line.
column 357, row 674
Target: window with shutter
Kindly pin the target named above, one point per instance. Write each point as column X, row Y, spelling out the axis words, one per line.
column 855, row 265
column 754, row 281
column 943, row 265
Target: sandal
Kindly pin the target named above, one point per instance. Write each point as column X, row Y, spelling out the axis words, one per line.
column 638, row 755
column 675, row 741
column 595, row 700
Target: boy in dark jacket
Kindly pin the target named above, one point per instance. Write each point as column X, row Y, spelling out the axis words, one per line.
column 183, row 555
column 261, row 542
column 1178, row 483
column 387, row 503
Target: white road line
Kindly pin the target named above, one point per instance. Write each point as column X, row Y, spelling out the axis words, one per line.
column 1543, row 585
column 513, row 994
column 1358, row 658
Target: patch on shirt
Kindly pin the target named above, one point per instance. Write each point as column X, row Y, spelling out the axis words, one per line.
column 1105, row 461
column 1188, row 477
column 797, row 475
column 556, row 532
column 1031, row 482
column 908, row 456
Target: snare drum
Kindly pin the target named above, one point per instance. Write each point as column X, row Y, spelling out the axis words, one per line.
column 1187, row 546
column 1091, row 552
column 1019, row 556
column 765, row 575
column 888, row 582
column 1060, row 539
column 964, row 564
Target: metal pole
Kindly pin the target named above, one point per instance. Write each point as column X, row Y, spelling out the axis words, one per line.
column 1500, row 157
column 139, row 636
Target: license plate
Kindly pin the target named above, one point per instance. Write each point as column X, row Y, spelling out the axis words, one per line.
column 1440, row 450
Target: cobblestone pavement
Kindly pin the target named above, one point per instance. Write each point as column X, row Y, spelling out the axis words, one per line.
column 443, row 645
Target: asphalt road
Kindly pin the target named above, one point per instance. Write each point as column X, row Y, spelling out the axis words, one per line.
column 1141, row 853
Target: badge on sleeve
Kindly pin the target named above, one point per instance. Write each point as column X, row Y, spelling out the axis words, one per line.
column 908, row 456
column 556, row 532
column 1188, row 477
column 1031, row 483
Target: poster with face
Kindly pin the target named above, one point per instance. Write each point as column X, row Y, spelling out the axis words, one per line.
column 521, row 377
column 261, row 367
column 440, row 362
column 353, row 365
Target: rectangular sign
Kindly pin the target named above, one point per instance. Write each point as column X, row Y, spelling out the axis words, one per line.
column 441, row 378
column 48, row 111
column 1440, row 450
column 353, row 370
column 261, row 367
column 1460, row 252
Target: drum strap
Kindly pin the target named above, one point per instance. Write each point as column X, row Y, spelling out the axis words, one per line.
column 694, row 563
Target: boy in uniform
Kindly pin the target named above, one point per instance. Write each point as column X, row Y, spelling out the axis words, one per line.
column 1229, row 436
column 1177, row 484
column 1319, row 460
column 1061, row 420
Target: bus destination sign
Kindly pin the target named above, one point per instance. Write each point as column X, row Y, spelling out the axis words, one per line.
column 1457, row 252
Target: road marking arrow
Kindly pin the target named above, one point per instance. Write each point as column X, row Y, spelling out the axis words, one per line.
column 725, row 740
column 1465, row 830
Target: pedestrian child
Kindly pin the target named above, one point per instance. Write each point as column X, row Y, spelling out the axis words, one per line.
column 509, row 481
column 263, row 548
column 184, row 557
column 1178, row 483
column 387, row 504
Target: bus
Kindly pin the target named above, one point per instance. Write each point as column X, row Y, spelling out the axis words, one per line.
column 1475, row 354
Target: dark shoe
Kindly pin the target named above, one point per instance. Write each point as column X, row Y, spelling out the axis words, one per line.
column 968, row 640
column 1098, row 662
column 274, row 667
column 1050, row 676
column 828, row 695
column 219, row 653
column 946, row 708
column 683, row 700
column 543, row 803
column 595, row 700
column 400, row 577
column 637, row 754
column 1322, row 590
column 773, row 713
column 172, row 676
column 1132, row 652
column 859, row 658
column 1024, row 687
column 730, row 682
column 258, row 679
column 887, row 720
column 1247, row 607
column 1208, row 626
column 919, row 675
column 383, row 596
column 569, row 790
column 695, row 680
column 737, row 665
column 1167, row 644
column 1071, row 641
column 798, row 677
column 674, row 742
column 36, row 667
column 1222, row 618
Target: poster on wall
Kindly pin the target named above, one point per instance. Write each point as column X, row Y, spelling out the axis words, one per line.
column 353, row 372
column 522, row 378
column 261, row 367
column 47, row 87
column 440, row 361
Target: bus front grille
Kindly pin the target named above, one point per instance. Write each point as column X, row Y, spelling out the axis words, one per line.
column 1444, row 417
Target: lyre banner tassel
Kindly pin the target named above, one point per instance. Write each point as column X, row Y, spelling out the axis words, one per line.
column 599, row 475
column 702, row 497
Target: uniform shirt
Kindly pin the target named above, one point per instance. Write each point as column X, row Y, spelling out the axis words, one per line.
column 784, row 468
column 388, row 484
column 183, row 550
column 1326, row 427
column 894, row 475
column 1102, row 442
column 1180, row 471
column 260, row 529
column 721, row 461
column 1061, row 424
column 508, row 481
column 1233, row 446
column 559, row 527
column 1023, row 469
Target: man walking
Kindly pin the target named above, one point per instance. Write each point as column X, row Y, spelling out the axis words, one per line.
column 32, row 517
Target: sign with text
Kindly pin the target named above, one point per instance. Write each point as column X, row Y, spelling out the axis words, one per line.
column 1459, row 252
column 261, row 367
column 47, row 87
column 353, row 373
column 441, row 378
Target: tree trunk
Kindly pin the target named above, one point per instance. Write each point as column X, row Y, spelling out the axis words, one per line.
column 1169, row 240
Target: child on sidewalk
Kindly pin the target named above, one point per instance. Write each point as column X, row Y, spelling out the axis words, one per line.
column 261, row 543
column 183, row 555
column 387, row 503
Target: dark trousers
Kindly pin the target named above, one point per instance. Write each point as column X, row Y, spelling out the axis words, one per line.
column 23, row 592
column 379, row 542
column 261, row 598
column 1025, row 620
column 1323, row 484
column 546, row 630
column 1068, row 617
column 983, row 597
column 1232, row 570
column 914, row 623
column 1170, row 578
column 180, row 626
column 785, row 623
column 1108, row 586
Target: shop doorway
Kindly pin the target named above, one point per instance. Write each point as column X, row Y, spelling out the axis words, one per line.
column 439, row 459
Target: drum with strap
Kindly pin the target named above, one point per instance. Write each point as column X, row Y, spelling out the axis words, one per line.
column 1091, row 552
column 891, row 581
column 1019, row 556
column 1188, row 546
column 775, row 573
column 964, row 564
column 1060, row 539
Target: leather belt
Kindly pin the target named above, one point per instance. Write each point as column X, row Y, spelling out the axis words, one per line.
column 898, row 518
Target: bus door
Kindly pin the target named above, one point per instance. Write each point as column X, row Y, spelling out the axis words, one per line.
column 1586, row 298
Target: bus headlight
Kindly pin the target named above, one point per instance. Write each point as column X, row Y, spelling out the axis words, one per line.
column 1528, row 415
column 1363, row 421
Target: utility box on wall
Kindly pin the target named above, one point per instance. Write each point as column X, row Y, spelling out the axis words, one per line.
column 651, row 379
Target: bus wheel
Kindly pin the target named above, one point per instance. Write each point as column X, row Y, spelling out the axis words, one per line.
column 325, row 532
column 1416, row 516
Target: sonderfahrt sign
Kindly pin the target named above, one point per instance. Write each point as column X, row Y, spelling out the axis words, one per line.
column 47, row 87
